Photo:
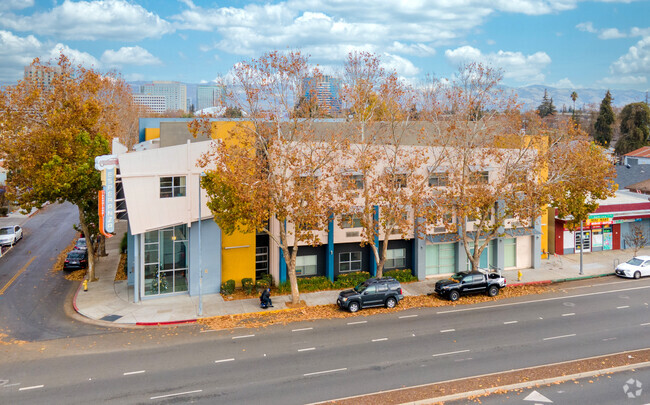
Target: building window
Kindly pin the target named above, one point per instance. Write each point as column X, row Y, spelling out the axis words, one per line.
column 395, row 258
column 165, row 261
column 355, row 181
column 438, row 180
column 306, row 265
column 481, row 177
column 172, row 187
column 350, row 221
column 349, row 261
column 261, row 261
column 400, row 180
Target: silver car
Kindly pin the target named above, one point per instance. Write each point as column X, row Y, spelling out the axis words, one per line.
column 9, row 235
column 636, row 267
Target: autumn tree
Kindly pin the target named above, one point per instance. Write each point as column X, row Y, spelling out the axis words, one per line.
column 637, row 238
column 274, row 173
column 603, row 125
column 51, row 136
column 635, row 128
column 385, row 180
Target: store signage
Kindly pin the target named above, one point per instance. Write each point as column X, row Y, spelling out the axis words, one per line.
column 109, row 202
column 600, row 219
column 621, row 221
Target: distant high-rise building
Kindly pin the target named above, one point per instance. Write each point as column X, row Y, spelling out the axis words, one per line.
column 326, row 89
column 209, row 96
column 42, row 75
column 156, row 104
column 175, row 93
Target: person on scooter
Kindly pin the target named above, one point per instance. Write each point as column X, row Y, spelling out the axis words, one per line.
column 265, row 298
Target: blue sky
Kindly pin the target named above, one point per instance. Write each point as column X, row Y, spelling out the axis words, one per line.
column 561, row 43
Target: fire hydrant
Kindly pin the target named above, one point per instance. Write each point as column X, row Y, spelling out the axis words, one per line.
column 86, row 285
column 519, row 275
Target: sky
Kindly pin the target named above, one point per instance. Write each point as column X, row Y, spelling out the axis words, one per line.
column 569, row 44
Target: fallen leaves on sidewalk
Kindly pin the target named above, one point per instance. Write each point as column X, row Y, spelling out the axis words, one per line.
column 4, row 341
column 121, row 268
column 285, row 316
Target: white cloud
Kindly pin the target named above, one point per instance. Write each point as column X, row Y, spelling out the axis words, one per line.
column 92, row 20
column 587, row 27
column 611, row 33
column 129, row 55
column 412, row 49
column 635, row 61
column 639, row 32
column 16, row 53
column 516, row 66
column 76, row 57
column 564, row 84
column 624, row 80
column 403, row 67
column 15, row 4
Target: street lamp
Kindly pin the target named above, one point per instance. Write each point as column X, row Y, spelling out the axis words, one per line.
column 200, row 252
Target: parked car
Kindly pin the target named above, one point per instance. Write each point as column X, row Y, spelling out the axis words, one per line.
column 373, row 292
column 636, row 267
column 81, row 244
column 9, row 235
column 76, row 260
column 470, row 283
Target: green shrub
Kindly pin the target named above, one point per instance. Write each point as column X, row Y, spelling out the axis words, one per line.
column 403, row 276
column 284, row 288
column 266, row 281
column 349, row 280
column 228, row 287
column 317, row 283
column 124, row 243
column 4, row 211
column 247, row 285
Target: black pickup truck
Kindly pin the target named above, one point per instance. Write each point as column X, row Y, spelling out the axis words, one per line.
column 470, row 283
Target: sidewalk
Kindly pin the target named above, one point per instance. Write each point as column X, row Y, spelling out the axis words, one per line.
column 112, row 301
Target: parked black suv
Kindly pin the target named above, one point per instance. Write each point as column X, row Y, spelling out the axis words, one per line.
column 470, row 283
column 373, row 292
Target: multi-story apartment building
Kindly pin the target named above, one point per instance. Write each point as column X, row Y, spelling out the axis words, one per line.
column 175, row 93
column 326, row 89
column 154, row 103
column 41, row 75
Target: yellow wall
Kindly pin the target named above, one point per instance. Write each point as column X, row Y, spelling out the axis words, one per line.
column 151, row 133
column 238, row 249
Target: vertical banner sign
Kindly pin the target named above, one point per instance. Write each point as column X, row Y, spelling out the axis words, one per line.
column 109, row 204
column 100, row 199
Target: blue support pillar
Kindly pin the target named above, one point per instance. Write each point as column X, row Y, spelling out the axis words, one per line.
column 329, row 258
column 373, row 262
column 419, row 249
column 283, row 267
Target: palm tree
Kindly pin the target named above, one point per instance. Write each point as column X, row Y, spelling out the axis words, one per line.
column 574, row 97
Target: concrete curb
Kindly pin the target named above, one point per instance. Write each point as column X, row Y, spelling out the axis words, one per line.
column 560, row 280
column 528, row 384
column 186, row 321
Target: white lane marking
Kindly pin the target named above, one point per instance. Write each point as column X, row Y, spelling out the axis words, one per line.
column 595, row 285
column 134, row 372
column 307, row 349
column 542, row 300
column 243, row 336
column 356, row 323
column 379, row 340
column 33, row 387
column 407, row 316
column 569, row 314
column 645, row 324
column 224, row 360
column 177, row 394
column 510, row 322
column 559, row 337
column 608, row 339
column 623, row 307
column 447, row 330
column 208, row 330
column 324, row 372
column 301, row 329
column 448, row 353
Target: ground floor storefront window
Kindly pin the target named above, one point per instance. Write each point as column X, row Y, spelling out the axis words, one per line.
column 165, row 261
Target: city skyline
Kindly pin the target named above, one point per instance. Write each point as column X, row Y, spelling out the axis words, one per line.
column 557, row 43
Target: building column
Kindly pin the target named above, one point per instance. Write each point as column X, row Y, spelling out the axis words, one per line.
column 536, row 243
column 138, row 268
column 329, row 258
column 419, row 249
column 461, row 263
column 373, row 262
column 500, row 246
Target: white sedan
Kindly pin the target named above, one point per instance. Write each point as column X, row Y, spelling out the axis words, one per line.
column 9, row 235
column 636, row 267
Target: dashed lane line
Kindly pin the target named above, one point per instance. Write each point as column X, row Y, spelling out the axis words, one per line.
column 379, row 340
column 623, row 307
column 449, row 353
column 509, row 322
column 176, row 394
column 33, row 387
column 242, row 337
column 3, row 289
column 224, row 360
column 407, row 316
column 569, row 314
column 301, row 329
column 447, row 330
column 645, row 324
column 324, row 372
column 357, row 323
column 134, row 372
column 308, row 349
column 559, row 337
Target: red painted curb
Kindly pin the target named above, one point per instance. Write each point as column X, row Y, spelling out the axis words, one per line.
column 530, row 283
column 74, row 299
column 165, row 323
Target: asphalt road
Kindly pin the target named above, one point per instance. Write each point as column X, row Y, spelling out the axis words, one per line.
column 317, row 361
column 629, row 387
column 33, row 298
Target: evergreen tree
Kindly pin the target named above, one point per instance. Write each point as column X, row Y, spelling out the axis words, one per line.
column 546, row 107
column 635, row 127
column 604, row 122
